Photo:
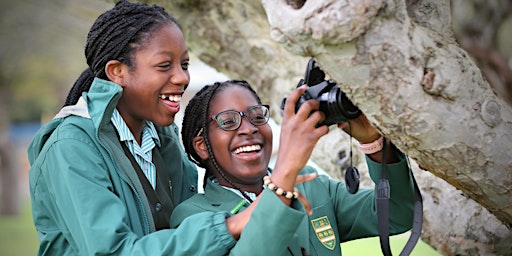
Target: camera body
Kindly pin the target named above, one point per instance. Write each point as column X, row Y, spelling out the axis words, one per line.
column 333, row 102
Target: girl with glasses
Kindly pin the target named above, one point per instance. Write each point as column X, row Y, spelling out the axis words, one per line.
column 225, row 131
column 109, row 169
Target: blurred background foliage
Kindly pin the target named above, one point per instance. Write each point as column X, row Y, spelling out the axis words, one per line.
column 42, row 43
column 41, row 53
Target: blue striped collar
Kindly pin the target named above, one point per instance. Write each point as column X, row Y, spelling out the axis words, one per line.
column 124, row 132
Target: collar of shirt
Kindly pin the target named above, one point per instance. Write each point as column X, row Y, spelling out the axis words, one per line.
column 142, row 153
column 125, row 133
column 252, row 196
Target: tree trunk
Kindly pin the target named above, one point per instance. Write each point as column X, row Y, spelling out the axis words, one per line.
column 442, row 112
column 400, row 63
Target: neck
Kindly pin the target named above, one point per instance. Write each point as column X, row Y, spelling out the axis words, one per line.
column 254, row 187
column 136, row 126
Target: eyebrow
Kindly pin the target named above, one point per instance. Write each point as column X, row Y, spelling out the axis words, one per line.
column 165, row 52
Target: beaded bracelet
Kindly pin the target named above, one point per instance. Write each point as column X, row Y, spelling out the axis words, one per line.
column 280, row 191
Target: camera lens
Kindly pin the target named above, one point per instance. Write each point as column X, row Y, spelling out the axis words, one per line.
column 333, row 102
column 337, row 107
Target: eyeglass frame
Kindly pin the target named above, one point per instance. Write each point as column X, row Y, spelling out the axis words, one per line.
column 242, row 114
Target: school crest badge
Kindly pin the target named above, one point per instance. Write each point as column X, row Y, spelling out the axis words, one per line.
column 324, row 232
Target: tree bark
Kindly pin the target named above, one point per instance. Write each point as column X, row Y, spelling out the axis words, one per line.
column 400, row 63
column 442, row 112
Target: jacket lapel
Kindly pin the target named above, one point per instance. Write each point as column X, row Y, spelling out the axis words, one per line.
column 222, row 199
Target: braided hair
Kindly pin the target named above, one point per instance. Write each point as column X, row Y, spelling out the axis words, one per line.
column 116, row 35
column 195, row 123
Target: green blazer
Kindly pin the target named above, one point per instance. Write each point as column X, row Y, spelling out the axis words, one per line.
column 87, row 198
column 338, row 216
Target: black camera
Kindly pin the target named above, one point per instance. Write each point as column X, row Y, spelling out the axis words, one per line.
column 333, row 102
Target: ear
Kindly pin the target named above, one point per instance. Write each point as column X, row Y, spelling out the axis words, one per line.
column 200, row 147
column 115, row 70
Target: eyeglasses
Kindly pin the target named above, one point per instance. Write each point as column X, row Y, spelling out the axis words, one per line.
column 231, row 120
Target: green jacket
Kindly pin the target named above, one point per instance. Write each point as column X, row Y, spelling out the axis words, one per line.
column 87, row 199
column 338, row 216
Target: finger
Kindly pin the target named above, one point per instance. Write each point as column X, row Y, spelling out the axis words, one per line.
column 308, row 106
column 291, row 101
column 304, row 201
column 322, row 130
column 314, row 120
column 305, row 178
column 342, row 125
column 315, row 117
column 346, row 127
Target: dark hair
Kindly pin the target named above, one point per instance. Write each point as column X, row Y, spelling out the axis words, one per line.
column 116, row 35
column 196, row 118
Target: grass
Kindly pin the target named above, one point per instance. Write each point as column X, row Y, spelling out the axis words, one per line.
column 371, row 246
column 18, row 238
column 18, row 235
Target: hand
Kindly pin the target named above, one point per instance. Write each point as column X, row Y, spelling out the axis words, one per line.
column 299, row 136
column 236, row 223
column 302, row 199
column 360, row 129
column 305, row 178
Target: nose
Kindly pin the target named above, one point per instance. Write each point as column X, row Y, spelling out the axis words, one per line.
column 246, row 127
column 180, row 76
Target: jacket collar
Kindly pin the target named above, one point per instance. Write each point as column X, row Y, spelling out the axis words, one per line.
column 97, row 104
column 79, row 109
column 220, row 197
column 101, row 99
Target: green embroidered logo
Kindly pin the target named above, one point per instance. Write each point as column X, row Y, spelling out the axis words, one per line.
column 324, row 232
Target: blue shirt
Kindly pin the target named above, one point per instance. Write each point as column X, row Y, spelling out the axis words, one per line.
column 143, row 153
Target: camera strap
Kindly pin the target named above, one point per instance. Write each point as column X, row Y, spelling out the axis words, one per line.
column 383, row 193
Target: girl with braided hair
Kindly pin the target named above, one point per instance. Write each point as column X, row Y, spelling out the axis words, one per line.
column 235, row 152
column 109, row 169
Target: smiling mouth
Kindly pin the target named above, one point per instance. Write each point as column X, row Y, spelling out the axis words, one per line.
column 169, row 97
column 247, row 149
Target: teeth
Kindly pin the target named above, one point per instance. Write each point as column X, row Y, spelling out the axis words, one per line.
column 176, row 98
column 247, row 149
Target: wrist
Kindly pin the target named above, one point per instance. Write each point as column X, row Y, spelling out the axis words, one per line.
column 372, row 147
column 279, row 191
column 284, row 177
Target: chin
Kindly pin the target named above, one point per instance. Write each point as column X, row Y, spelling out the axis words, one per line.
column 165, row 121
column 263, row 170
column 253, row 172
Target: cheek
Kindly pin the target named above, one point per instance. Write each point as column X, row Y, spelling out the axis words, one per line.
column 219, row 141
column 136, row 96
column 267, row 132
column 268, row 139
